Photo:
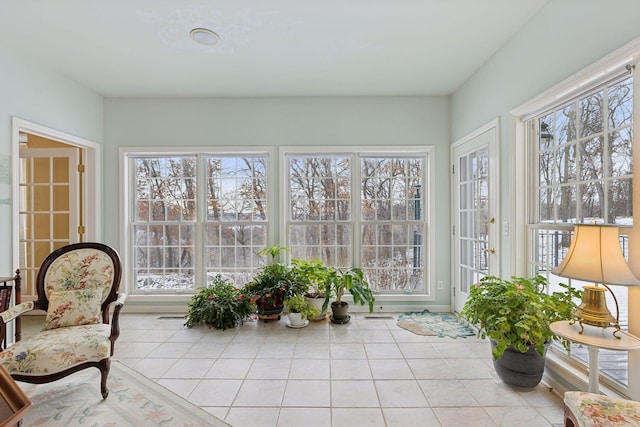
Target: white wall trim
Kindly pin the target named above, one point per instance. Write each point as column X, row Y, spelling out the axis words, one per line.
column 588, row 76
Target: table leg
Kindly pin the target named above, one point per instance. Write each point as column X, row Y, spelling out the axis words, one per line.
column 594, row 386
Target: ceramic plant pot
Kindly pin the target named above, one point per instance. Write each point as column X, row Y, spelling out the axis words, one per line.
column 296, row 319
column 520, row 370
column 317, row 302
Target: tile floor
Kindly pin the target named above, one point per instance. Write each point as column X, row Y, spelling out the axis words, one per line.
column 368, row 372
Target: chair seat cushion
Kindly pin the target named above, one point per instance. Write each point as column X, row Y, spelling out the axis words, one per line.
column 55, row 350
column 595, row 410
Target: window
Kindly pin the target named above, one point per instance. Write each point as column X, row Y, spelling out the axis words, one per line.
column 194, row 216
column 583, row 154
column 376, row 200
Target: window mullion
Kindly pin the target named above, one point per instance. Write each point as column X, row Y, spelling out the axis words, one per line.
column 356, row 209
column 201, row 217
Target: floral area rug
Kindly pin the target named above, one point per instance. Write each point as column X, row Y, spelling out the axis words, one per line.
column 134, row 400
column 434, row 324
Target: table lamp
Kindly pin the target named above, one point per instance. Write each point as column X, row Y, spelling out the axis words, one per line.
column 595, row 256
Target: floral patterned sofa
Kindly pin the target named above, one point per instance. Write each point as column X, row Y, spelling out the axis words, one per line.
column 582, row 409
column 76, row 285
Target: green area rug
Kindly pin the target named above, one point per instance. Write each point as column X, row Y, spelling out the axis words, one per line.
column 134, row 400
column 434, row 324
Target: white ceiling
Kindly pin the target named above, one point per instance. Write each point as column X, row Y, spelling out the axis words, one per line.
column 132, row 48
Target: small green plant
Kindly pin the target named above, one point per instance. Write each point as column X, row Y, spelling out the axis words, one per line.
column 352, row 281
column 297, row 304
column 220, row 305
column 517, row 312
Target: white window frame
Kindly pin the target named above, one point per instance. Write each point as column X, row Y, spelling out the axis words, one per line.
column 128, row 262
column 428, row 294
column 521, row 206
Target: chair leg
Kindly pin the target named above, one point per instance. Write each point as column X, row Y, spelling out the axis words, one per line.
column 104, row 367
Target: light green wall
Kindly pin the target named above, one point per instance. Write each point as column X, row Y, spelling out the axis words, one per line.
column 319, row 121
column 563, row 38
column 33, row 93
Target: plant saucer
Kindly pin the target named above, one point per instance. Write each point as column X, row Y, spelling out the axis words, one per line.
column 341, row 321
column 306, row 323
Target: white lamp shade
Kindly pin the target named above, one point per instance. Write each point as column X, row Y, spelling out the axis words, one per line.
column 595, row 256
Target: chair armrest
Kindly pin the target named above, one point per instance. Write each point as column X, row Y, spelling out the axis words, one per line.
column 120, row 300
column 16, row 311
column 115, row 318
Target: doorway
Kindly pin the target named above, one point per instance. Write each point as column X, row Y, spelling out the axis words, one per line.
column 53, row 195
column 475, row 210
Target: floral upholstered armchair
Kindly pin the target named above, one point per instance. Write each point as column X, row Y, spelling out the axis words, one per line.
column 76, row 285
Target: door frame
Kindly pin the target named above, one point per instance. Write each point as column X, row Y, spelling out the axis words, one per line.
column 494, row 188
column 92, row 186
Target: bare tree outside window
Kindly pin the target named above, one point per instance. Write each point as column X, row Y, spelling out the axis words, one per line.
column 584, row 175
column 164, row 226
column 166, row 217
column 391, row 200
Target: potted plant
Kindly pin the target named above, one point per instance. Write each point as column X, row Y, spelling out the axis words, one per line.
column 299, row 311
column 220, row 305
column 515, row 315
column 311, row 277
column 352, row 281
column 272, row 285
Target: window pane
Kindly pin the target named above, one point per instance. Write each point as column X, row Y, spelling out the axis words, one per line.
column 591, row 152
column 392, row 247
column 391, row 203
column 567, row 204
column 620, row 207
column 164, row 257
column 164, row 196
column 566, row 124
column 620, row 152
column 320, row 197
column 621, row 104
column 565, row 164
column 584, row 172
column 236, row 228
column 591, row 118
column 166, row 216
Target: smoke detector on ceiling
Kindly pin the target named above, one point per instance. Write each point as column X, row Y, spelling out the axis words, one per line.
column 204, row 36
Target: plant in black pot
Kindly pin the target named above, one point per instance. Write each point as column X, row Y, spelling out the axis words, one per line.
column 352, row 281
column 515, row 315
column 220, row 305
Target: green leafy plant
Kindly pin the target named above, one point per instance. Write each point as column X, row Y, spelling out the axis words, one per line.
column 311, row 277
column 517, row 312
column 350, row 280
column 274, row 282
column 220, row 305
column 297, row 304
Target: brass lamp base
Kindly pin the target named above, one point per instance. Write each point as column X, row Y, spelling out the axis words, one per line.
column 593, row 310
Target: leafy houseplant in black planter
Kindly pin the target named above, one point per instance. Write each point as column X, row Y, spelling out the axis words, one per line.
column 515, row 315
column 219, row 305
column 352, row 281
